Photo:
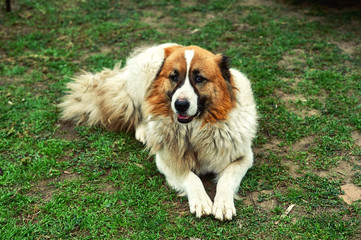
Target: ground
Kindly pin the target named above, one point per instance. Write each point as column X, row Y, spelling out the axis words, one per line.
column 59, row 180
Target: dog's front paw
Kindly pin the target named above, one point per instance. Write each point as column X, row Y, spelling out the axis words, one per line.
column 200, row 205
column 223, row 208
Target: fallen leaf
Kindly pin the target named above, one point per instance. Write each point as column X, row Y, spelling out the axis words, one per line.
column 288, row 210
column 239, row 222
column 138, row 165
column 195, row 30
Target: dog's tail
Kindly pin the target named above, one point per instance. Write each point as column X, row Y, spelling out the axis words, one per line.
column 101, row 99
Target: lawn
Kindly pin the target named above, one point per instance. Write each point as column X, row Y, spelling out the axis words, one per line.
column 62, row 181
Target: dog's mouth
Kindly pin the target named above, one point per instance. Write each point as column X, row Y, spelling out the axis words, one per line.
column 184, row 118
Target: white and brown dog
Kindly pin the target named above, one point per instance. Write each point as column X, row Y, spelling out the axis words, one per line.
column 190, row 109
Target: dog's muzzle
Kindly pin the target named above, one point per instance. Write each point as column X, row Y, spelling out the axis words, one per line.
column 182, row 106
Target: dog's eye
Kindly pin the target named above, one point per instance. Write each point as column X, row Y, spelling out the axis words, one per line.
column 174, row 77
column 199, row 79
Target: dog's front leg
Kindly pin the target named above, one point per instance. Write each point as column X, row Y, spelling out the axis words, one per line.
column 227, row 187
column 188, row 183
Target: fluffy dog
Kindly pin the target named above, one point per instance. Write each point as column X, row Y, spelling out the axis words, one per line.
column 191, row 110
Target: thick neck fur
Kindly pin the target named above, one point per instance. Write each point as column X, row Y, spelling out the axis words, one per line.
column 191, row 145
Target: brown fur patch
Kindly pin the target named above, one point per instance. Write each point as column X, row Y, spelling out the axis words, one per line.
column 219, row 92
column 158, row 97
column 159, row 102
column 169, row 50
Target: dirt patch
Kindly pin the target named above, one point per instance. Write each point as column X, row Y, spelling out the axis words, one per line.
column 244, row 27
column 303, row 144
column 290, row 101
column 44, row 188
column 309, row 113
column 343, row 171
column 198, row 19
column 293, row 169
column 292, row 82
column 254, row 198
column 45, row 191
column 155, row 18
column 102, row 50
column 351, row 193
column 353, row 26
column 272, row 144
column 10, row 80
column 65, row 130
column 108, row 49
column 209, row 185
column 107, row 188
column 287, row 98
column 257, row 3
column 293, row 59
column 68, row 176
column 356, row 136
column 347, row 47
column 285, row 153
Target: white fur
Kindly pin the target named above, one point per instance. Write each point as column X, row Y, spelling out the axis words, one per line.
column 188, row 183
column 186, row 91
column 223, row 147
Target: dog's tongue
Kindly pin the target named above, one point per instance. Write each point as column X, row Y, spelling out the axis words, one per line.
column 184, row 118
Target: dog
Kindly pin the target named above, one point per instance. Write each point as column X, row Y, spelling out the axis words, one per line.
column 190, row 109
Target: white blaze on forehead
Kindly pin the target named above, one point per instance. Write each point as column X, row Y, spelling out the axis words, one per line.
column 186, row 91
column 189, row 54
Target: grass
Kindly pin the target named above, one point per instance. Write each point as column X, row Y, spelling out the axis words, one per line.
column 63, row 181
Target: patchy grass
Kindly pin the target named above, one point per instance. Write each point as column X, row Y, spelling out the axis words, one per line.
column 58, row 180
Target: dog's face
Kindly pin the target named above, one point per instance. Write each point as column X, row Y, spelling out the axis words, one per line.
column 192, row 83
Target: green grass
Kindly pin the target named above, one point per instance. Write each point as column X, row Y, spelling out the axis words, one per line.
column 60, row 181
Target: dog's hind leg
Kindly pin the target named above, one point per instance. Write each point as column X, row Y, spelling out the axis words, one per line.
column 141, row 133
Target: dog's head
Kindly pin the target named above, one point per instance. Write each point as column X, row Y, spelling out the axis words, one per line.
column 192, row 83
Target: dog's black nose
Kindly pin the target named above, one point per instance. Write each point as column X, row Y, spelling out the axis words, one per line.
column 181, row 105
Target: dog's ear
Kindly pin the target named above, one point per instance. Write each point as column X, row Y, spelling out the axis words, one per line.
column 169, row 50
column 223, row 63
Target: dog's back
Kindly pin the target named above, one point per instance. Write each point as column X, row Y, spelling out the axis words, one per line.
column 114, row 97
